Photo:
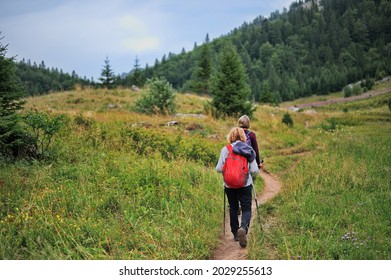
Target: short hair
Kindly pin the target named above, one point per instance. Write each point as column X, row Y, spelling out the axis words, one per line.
column 235, row 134
column 244, row 122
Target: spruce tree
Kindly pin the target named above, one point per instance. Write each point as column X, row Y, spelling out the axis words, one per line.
column 229, row 86
column 11, row 134
column 202, row 71
column 137, row 78
column 107, row 75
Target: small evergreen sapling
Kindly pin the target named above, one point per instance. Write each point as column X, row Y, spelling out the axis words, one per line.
column 287, row 120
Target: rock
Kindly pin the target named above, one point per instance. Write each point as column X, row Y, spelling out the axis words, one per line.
column 172, row 123
column 135, row 88
column 112, row 106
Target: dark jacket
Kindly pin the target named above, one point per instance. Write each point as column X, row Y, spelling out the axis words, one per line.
column 254, row 145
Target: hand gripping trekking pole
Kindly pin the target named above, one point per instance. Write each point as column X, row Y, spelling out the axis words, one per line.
column 256, row 204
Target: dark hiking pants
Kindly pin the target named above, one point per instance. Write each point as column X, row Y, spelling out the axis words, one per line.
column 244, row 196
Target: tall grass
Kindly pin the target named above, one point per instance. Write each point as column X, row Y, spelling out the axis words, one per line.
column 110, row 206
column 121, row 185
column 336, row 204
column 111, row 195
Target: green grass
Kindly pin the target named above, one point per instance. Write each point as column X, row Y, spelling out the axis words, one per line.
column 107, row 194
column 120, row 185
column 336, row 203
column 109, row 206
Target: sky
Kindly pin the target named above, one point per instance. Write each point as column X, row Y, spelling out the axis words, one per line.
column 78, row 35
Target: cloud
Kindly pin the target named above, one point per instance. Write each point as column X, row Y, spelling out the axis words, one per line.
column 135, row 35
column 142, row 44
column 78, row 35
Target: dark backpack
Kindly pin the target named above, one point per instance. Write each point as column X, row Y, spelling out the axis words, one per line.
column 235, row 170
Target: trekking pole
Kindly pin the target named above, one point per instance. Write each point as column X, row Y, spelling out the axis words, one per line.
column 224, row 207
column 256, row 204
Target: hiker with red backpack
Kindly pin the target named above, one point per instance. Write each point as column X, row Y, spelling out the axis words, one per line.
column 238, row 165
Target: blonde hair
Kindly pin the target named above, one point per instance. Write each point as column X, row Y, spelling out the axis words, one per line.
column 235, row 134
column 244, row 122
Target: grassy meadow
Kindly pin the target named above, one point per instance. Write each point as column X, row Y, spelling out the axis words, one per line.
column 120, row 185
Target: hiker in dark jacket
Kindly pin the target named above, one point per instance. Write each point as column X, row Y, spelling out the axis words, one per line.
column 244, row 122
column 236, row 138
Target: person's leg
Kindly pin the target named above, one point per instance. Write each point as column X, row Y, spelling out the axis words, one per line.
column 232, row 195
column 245, row 196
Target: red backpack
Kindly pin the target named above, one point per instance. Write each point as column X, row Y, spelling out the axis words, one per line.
column 235, row 170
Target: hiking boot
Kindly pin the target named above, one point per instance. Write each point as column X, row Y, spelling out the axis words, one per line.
column 236, row 238
column 242, row 237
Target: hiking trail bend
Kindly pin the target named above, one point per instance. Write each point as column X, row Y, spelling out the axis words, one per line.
column 229, row 249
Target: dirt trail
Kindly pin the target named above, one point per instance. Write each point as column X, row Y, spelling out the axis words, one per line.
column 228, row 248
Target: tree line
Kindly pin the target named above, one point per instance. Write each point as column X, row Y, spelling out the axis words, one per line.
column 310, row 49
column 315, row 47
column 37, row 79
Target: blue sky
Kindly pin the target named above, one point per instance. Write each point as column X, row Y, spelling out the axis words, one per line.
column 79, row 34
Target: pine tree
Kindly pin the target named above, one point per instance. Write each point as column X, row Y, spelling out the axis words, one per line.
column 202, row 71
column 137, row 75
column 229, row 86
column 11, row 134
column 107, row 75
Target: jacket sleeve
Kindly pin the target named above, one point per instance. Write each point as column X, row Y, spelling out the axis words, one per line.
column 254, row 144
column 223, row 156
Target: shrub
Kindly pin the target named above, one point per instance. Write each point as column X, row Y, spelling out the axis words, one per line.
column 357, row 90
column 83, row 122
column 43, row 129
column 146, row 142
column 368, row 83
column 159, row 98
column 287, row 120
column 347, row 91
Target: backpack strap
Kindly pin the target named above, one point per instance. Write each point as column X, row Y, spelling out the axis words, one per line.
column 229, row 148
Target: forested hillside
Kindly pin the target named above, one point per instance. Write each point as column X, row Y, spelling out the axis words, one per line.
column 39, row 79
column 315, row 47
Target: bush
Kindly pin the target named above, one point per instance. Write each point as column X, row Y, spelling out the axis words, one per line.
column 287, row 120
column 83, row 122
column 368, row 83
column 347, row 91
column 159, row 98
column 43, row 129
column 146, row 142
column 357, row 90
